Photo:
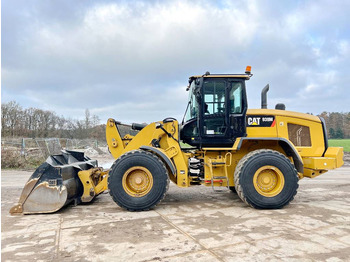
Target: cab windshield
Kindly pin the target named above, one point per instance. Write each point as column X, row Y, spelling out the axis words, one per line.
column 192, row 106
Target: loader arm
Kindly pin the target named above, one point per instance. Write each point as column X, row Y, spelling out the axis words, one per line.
column 113, row 138
column 163, row 137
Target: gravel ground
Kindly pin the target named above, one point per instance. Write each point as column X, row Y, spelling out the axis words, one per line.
column 346, row 159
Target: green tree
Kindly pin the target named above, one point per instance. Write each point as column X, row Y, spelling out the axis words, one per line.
column 339, row 133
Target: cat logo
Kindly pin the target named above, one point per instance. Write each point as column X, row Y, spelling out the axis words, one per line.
column 253, row 121
column 261, row 121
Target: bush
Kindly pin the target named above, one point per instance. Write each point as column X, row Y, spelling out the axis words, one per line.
column 12, row 158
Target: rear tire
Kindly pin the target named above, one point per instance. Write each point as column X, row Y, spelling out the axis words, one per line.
column 138, row 180
column 266, row 179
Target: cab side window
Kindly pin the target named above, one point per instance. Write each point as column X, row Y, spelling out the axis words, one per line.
column 235, row 98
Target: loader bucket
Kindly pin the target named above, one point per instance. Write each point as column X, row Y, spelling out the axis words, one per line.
column 54, row 184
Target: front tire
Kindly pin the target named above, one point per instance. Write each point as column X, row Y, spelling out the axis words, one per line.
column 266, row 179
column 138, row 180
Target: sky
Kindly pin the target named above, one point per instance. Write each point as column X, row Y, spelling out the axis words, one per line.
column 130, row 60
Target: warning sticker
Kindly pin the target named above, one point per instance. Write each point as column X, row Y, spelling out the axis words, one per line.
column 260, row 121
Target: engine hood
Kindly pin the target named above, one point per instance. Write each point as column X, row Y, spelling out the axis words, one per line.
column 283, row 113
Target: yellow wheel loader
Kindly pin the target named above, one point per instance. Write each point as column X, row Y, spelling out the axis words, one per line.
column 259, row 153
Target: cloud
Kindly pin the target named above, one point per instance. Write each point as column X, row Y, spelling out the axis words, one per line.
column 131, row 60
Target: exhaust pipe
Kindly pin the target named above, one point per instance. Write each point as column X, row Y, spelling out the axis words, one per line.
column 264, row 97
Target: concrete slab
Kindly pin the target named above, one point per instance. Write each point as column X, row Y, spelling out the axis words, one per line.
column 192, row 224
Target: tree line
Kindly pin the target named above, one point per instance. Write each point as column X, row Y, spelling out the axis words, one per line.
column 338, row 124
column 33, row 122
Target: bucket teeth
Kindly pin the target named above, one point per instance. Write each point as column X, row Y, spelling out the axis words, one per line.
column 16, row 209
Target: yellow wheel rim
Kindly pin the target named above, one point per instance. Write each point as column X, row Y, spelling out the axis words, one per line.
column 268, row 181
column 137, row 181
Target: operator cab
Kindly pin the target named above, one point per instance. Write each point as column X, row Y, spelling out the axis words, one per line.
column 216, row 110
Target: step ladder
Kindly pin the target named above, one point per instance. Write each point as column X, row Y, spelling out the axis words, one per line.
column 213, row 163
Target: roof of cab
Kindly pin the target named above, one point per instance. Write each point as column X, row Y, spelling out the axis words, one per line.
column 245, row 76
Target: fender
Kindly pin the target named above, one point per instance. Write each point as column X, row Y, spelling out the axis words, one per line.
column 286, row 145
column 162, row 156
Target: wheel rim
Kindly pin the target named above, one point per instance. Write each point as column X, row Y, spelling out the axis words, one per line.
column 268, row 181
column 137, row 181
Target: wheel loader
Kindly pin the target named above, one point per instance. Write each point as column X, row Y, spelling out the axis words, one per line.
column 260, row 154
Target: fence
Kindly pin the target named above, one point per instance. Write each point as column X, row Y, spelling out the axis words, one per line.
column 43, row 147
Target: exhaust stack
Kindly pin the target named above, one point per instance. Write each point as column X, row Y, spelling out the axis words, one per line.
column 264, row 97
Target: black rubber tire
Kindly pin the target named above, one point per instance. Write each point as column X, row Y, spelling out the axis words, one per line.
column 246, row 169
column 156, row 168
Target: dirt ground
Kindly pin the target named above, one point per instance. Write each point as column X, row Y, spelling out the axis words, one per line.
column 193, row 224
column 346, row 159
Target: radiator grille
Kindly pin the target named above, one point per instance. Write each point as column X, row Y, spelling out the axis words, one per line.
column 299, row 135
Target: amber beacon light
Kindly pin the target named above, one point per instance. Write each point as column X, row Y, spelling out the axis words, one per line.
column 248, row 70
